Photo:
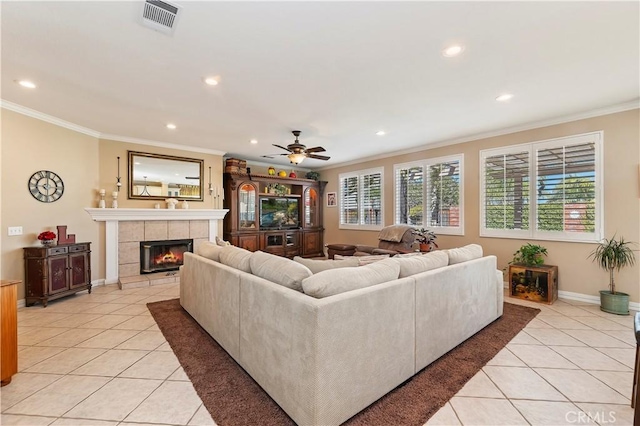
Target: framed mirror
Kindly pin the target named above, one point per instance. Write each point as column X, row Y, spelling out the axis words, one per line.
column 158, row 177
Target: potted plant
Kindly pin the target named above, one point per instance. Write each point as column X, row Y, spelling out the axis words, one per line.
column 46, row 238
column 529, row 255
column 613, row 255
column 426, row 239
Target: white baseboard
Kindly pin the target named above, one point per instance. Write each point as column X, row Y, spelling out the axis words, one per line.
column 21, row 303
column 586, row 298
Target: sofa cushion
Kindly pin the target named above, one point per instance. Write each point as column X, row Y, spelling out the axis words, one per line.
column 209, row 250
column 464, row 254
column 364, row 260
column 279, row 270
column 416, row 264
column 236, row 257
column 335, row 281
column 316, row 266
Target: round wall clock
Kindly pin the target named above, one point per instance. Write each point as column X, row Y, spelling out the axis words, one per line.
column 46, row 186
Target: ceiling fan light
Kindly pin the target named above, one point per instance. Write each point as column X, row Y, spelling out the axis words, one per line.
column 296, row 158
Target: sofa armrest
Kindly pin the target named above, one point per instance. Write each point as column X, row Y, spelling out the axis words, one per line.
column 365, row 249
column 384, row 251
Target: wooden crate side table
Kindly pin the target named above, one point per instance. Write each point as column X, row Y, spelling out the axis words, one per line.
column 9, row 327
column 535, row 283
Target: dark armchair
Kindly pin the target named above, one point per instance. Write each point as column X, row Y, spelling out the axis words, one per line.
column 393, row 239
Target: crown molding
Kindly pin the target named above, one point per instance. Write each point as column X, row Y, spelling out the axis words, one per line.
column 627, row 106
column 266, row 164
column 96, row 134
column 48, row 118
column 161, row 144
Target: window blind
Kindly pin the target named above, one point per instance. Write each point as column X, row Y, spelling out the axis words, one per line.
column 409, row 190
column 444, row 194
column 506, row 191
column 566, row 182
column 349, row 200
column 371, row 189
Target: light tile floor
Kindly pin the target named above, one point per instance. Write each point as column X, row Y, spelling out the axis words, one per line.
column 100, row 359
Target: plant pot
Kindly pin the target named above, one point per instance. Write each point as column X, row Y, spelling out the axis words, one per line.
column 47, row 243
column 617, row 303
column 425, row 248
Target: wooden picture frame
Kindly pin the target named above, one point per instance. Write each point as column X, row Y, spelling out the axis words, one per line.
column 332, row 199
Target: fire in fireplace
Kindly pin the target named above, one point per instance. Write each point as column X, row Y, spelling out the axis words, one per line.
column 166, row 255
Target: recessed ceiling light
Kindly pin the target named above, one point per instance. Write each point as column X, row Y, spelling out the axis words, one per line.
column 136, row 163
column 253, row 141
column 26, row 83
column 504, row 97
column 211, row 81
column 452, row 51
column 381, row 133
column 171, row 126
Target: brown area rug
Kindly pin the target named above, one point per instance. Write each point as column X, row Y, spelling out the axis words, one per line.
column 234, row 398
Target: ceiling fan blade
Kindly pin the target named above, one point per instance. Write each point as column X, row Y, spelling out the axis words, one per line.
column 192, row 177
column 281, row 147
column 318, row 157
column 271, row 155
column 316, row 149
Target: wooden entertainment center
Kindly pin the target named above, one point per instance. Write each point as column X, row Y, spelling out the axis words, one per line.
column 285, row 223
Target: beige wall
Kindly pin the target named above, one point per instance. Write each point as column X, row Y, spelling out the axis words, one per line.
column 29, row 145
column 85, row 164
column 576, row 273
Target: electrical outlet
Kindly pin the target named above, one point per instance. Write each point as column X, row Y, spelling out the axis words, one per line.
column 15, row 230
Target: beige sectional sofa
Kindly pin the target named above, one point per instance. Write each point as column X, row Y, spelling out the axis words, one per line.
column 325, row 359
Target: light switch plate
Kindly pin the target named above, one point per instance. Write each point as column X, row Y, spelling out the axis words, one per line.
column 15, row 230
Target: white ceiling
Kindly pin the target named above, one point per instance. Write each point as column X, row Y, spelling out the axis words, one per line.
column 338, row 71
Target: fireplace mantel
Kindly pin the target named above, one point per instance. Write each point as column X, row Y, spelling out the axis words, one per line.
column 112, row 217
column 104, row 215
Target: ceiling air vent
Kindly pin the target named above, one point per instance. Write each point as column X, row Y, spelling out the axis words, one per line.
column 160, row 16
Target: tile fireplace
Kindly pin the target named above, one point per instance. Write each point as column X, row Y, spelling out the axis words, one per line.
column 164, row 255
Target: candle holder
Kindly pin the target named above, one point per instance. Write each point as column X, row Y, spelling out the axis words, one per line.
column 114, row 203
column 102, row 204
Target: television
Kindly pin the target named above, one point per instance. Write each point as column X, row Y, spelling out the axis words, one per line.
column 276, row 213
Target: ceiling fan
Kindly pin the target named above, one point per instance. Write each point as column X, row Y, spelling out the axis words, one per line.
column 298, row 152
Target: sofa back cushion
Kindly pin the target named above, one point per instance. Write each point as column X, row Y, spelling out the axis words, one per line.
column 279, row 270
column 209, row 250
column 316, row 266
column 335, row 281
column 464, row 254
column 416, row 264
column 364, row 260
column 236, row 257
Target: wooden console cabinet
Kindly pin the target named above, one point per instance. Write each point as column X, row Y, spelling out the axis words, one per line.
column 53, row 272
column 9, row 327
column 246, row 225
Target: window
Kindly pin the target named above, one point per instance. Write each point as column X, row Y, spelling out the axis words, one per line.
column 428, row 193
column 547, row 190
column 361, row 199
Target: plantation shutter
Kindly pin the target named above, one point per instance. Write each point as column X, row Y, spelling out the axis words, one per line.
column 349, row 200
column 409, row 190
column 566, row 188
column 371, row 190
column 444, row 194
column 506, row 191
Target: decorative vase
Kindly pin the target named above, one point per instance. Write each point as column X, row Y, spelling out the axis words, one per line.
column 184, row 205
column 425, row 248
column 292, row 174
column 171, row 206
column 271, row 171
column 47, row 243
column 617, row 303
column 282, row 173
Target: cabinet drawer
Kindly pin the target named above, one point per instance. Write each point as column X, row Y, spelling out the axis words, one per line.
column 57, row 250
column 79, row 247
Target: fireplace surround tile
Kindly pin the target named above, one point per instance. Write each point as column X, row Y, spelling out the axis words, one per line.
column 129, row 253
column 179, row 229
column 129, row 269
column 155, row 230
column 131, row 231
column 197, row 242
column 198, row 229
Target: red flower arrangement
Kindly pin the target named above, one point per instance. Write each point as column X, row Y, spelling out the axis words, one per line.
column 47, row 236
